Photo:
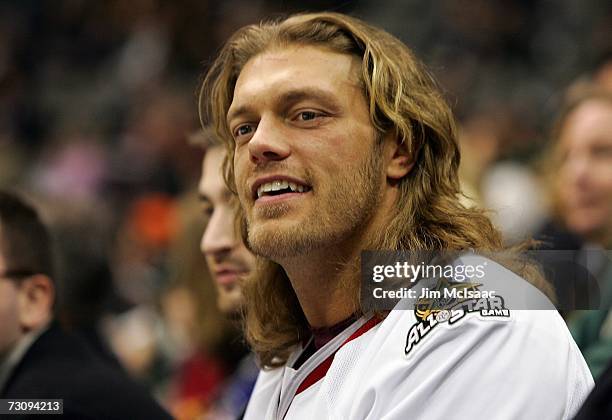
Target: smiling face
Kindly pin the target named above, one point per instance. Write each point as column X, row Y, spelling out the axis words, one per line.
column 227, row 257
column 308, row 169
column 585, row 174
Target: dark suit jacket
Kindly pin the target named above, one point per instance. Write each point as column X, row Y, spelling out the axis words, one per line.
column 59, row 365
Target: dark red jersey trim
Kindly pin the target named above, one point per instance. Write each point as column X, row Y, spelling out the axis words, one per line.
column 321, row 370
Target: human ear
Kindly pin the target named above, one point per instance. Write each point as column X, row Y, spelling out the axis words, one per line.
column 401, row 158
column 35, row 302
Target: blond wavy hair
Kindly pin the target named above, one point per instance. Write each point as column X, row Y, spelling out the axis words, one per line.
column 403, row 99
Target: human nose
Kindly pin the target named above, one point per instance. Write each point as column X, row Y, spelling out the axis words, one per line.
column 269, row 143
column 577, row 170
column 219, row 237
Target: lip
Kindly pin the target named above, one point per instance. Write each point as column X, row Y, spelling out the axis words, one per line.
column 585, row 201
column 271, row 199
column 270, row 178
column 228, row 276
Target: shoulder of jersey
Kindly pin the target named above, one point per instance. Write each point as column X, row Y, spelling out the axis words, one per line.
column 495, row 301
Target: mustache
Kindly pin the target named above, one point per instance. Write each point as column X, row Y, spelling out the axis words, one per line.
column 281, row 166
column 232, row 261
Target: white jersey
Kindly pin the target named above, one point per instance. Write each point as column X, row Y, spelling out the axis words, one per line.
column 477, row 362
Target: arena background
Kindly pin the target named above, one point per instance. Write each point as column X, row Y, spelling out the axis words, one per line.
column 97, row 99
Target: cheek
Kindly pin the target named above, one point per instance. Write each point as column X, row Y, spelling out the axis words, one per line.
column 247, row 259
column 603, row 176
column 210, row 263
column 331, row 158
column 241, row 164
column 568, row 182
column 564, row 190
column 607, row 197
column 9, row 322
column 349, row 149
column 225, row 222
column 599, row 182
column 241, row 158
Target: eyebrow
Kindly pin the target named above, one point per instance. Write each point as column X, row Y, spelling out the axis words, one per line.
column 289, row 98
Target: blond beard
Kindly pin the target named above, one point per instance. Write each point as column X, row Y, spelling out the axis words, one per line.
column 350, row 206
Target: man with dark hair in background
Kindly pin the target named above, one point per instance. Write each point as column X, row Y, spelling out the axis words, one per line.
column 338, row 141
column 229, row 261
column 38, row 360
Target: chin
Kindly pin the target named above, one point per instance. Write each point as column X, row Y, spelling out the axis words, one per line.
column 280, row 242
column 231, row 310
column 583, row 229
column 227, row 306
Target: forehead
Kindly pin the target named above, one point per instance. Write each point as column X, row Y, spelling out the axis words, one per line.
column 296, row 67
column 211, row 181
column 590, row 121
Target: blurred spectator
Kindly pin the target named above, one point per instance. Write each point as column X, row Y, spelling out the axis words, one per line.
column 581, row 180
column 85, row 291
column 583, row 183
column 139, row 266
column 202, row 346
column 506, row 187
column 229, row 262
column 37, row 358
column 594, row 328
column 150, row 225
column 73, row 166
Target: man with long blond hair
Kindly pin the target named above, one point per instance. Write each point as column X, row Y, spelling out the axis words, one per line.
column 338, row 141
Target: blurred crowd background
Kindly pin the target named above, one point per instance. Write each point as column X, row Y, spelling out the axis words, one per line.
column 97, row 99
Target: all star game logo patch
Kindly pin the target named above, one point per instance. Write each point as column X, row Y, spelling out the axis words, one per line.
column 448, row 303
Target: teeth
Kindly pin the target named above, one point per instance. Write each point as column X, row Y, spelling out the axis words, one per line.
column 279, row 185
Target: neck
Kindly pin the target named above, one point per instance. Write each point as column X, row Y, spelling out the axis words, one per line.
column 10, row 359
column 319, row 281
column 327, row 280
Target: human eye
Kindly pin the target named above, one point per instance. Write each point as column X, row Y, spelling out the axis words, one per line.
column 307, row 115
column 602, row 151
column 309, row 118
column 207, row 209
column 243, row 130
